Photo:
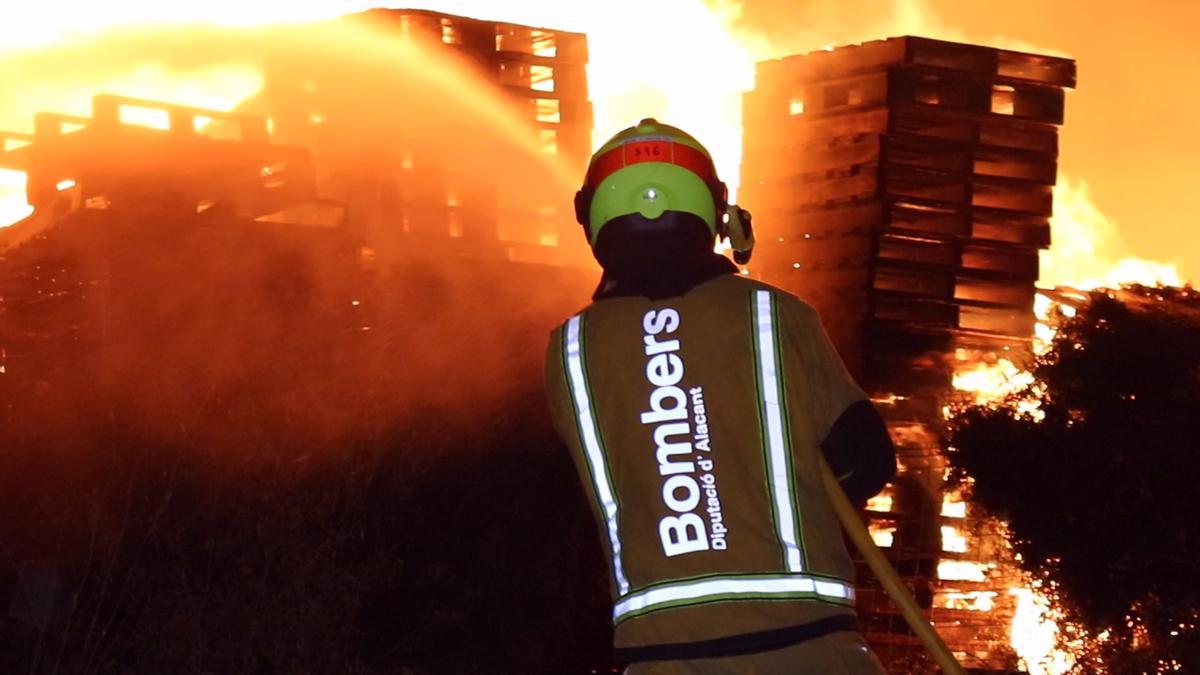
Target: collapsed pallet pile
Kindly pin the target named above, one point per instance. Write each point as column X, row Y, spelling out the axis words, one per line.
column 904, row 188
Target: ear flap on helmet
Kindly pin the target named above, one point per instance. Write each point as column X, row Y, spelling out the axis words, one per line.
column 741, row 233
column 583, row 208
column 720, row 192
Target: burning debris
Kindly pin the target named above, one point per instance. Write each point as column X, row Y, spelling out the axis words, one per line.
column 1111, row 394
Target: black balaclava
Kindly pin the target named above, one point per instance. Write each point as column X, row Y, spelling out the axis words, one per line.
column 660, row 258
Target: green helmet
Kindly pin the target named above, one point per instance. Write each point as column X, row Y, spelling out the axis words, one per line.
column 650, row 169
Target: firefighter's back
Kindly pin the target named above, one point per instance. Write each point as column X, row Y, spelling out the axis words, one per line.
column 695, row 423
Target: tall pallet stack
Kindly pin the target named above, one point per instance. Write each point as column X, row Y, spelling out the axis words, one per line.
column 454, row 182
column 903, row 187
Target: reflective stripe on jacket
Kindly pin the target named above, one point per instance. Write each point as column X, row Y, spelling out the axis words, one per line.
column 695, row 425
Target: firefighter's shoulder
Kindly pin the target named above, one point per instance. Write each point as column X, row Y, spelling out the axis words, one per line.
column 791, row 306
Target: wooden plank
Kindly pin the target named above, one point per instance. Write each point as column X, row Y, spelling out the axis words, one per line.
column 772, row 161
column 974, row 94
column 825, row 65
column 797, row 237
column 878, row 54
column 913, row 216
column 984, row 128
column 777, row 128
column 902, row 183
column 1012, row 260
column 1005, row 321
column 952, row 314
column 1036, row 68
column 773, row 224
column 773, row 127
column 1015, row 292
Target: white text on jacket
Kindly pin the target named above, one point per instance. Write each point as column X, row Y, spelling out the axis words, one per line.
column 683, row 532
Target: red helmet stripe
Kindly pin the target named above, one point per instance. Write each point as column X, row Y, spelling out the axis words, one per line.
column 665, row 151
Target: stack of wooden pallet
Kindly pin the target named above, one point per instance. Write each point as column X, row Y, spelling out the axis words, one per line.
column 904, row 188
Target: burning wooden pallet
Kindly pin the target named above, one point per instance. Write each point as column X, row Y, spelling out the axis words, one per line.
column 908, row 203
column 132, row 150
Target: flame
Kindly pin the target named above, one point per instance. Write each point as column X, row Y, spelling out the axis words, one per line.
column 953, row 540
column 1036, row 634
column 953, row 505
column 881, row 502
column 1088, row 250
column 883, row 535
column 12, row 197
column 961, row 570
column 992, row 382
column 973, row 601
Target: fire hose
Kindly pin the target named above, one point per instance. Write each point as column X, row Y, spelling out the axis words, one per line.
column 888, row 578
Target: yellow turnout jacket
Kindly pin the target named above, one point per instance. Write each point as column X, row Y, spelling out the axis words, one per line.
column 695, row 423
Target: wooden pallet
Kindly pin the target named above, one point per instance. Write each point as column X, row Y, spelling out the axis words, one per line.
column 1001, row 64
column 768, row 124
column 104, row 159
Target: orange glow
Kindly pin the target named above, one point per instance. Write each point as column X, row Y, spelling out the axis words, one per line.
column 953, row 540
column 676, row 60
column 1088, row 250
column 30, row 82
column 27, row 92
column 953, row 505
column 12, row 197
column 1043, row 331
column 992, row 382
column 881, row 502
column 1037, row 636
column 42, row 25
column 972, row 601
column 883, row 535
column 682, row 61
column 635, row 70
column 961, row 570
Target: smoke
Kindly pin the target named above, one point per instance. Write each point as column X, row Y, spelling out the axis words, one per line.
column 777, row 29
column 245, row 337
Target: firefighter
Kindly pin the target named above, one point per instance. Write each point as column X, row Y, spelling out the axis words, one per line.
column 694, row 402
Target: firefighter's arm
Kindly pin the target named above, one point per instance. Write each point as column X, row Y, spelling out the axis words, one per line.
column 860, row 451
column 855, row 440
